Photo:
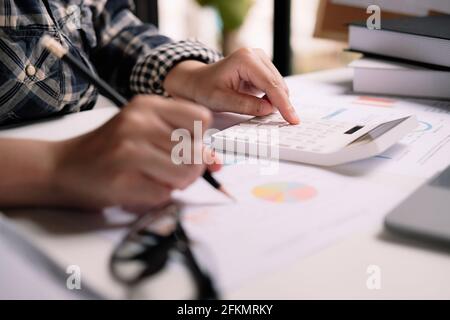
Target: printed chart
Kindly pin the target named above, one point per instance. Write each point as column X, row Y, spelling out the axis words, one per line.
column 282, row 192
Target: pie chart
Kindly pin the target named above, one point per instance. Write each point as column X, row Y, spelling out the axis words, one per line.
column 282, row 192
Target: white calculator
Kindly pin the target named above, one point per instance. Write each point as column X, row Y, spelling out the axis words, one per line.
column 320, row 139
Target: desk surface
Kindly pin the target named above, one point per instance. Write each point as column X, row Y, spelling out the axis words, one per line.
column 407, row 269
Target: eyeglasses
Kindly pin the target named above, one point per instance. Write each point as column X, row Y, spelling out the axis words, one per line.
column 150, row 246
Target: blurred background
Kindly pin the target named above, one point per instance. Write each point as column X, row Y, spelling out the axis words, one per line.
column 188, row 19
column 317, row 29
column 228, row 25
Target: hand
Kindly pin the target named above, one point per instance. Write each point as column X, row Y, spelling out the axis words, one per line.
column 128, row 161
column 233, row 84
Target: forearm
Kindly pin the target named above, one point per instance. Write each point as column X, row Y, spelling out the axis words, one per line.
column 27, row 173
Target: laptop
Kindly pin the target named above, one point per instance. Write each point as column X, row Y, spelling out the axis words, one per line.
column 426, row 213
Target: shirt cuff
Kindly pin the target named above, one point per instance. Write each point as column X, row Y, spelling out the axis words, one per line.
column 149, row 73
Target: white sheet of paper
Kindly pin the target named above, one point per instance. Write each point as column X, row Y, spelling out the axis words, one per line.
column 278, row 217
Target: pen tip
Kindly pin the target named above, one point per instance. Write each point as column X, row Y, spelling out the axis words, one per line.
column 225, row 192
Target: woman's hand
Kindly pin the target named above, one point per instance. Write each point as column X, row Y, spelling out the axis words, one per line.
column 128, row 160
column 234, row 84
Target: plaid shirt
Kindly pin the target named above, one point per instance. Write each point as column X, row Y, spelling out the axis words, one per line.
column 104, row 34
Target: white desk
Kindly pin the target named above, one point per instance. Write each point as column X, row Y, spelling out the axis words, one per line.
column 408, row 269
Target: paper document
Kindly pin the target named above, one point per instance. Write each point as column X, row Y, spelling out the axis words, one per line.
column 276, row 218
column 302, row 208
column 422, row 153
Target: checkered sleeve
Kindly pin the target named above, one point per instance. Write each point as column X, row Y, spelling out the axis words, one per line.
column 133, row 56
column 149, row 72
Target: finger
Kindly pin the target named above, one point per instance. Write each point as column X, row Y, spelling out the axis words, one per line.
column 268, row 63
column 160, row 134
column 182, row 114
column 214, row 167
column 233, row 101
column 167, row 116
column 146, row 193
column 160, row 167
column 247, row 88
column 267, row 99
column 144, row 125
column 264, row 79
column 212, row 159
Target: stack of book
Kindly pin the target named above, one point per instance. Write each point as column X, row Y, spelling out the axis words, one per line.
column 406, row 57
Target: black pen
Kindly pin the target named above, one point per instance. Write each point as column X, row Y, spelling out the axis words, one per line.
column 62, row 53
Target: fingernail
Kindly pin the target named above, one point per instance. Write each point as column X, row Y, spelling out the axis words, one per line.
column 294, row 115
